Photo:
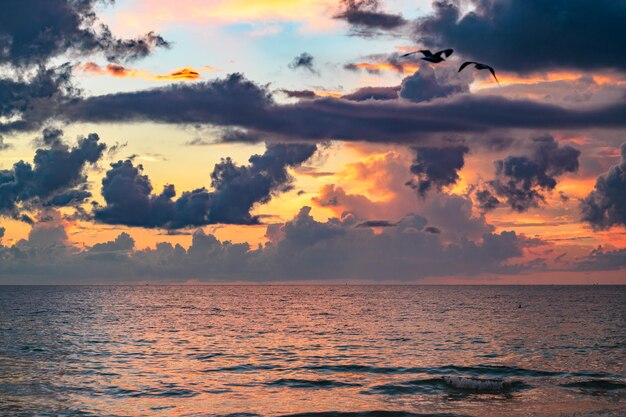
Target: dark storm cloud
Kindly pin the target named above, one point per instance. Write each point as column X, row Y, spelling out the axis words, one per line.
column 486, row 200
column 424, row 86
column 305, row 61
column 531, row 35
column 33, row 32
column 56, row 177
column 424, row 83
column 233, row 100
column 521, row 181
column 237, row 102
column 51, row 137
column 437, row 167
column 376, row 223
column 300, row 249
column 236, row 189
column 603, row 260
column 353, row 67
column 115, row 250
column 68, row 198
column 373, row 93
column 605, row 206
column 366, row 17
column 27, row 101
column 300, row 94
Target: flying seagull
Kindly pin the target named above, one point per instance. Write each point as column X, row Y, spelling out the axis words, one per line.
column 430, row 57
column 480, row 66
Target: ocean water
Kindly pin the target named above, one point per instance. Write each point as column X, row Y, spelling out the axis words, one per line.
column 345, row 351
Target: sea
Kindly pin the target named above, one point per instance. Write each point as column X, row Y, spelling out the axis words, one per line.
column 314, row 351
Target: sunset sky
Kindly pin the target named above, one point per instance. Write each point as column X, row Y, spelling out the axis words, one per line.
column 288, row 141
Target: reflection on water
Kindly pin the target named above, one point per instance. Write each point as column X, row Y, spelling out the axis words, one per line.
column 338, row 350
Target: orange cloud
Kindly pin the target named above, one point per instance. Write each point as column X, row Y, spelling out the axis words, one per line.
column 406, row 69
column 325, row 93
column 401, row 48
column 512, row 79
column 115, row 70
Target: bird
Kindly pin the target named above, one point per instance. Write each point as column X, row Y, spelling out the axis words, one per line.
column 430, row 57
column 480, row 66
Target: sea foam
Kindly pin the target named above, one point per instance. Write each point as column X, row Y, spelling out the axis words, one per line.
column 476, row 384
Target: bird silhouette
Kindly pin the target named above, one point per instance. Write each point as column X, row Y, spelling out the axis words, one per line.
column 480, row 66
column 430, row 57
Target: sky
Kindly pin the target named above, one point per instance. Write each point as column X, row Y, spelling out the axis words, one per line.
column 289, row 141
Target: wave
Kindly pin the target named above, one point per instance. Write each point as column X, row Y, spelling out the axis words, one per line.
column 307, row 383
column 378, row 413
column 372, row 414
column 418, row 386
column 152, row 392
column 239, row 415
column 597, row 385
column 243, row 368
column 477, row 384
column 501, row 371
column 351, row 368
column 495, row 371
column 447, row 384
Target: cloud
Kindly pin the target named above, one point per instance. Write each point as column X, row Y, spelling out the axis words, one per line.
column 366, row 18
column 424, row 85
column 33, row 32
column 300, row 249
column 562, row 33
column 373, row 93
column 455, row 218
column 486, row 200
column 451, row 214
column 237, row 102
column 56, row 177
column 422, row 81
column 305, row 61
column 522, row 180
column 31, row 98
column 605, row 206
column 312, row 172
column 376, row 63
column 3, row 145
column 299, row 94
column 380, row 179
column 602, row 260
column 51, row 137
column 437, row 167
column 376, row 223
column 114, row 250
column 120, row 71
column 198, row 142
column 236, row 190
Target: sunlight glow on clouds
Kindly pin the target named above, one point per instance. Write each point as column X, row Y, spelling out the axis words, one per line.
column 114, row 70
column 393, row 154
column 315, row 15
